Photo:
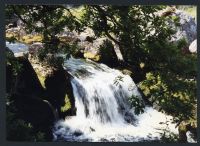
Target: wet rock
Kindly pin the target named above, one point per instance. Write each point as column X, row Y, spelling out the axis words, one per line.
column 104, row 140
column 129, row 118
column 191, row 137
column 78, row 133
column 92, row 129
column 127, row 72
column 36, row 111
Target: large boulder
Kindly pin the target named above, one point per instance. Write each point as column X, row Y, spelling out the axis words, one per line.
column 58, row 86
column 108, row 55
column 187, row 28
column 9, row 70
column 98, row 49
column 27, row 81
column 36, row 111
column 9, row 78
column 27, row 95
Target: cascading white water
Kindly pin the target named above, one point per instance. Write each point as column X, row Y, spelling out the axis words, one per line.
column 103, row 111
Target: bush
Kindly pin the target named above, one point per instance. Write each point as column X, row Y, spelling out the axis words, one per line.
column 172, row 94
column 137, row 104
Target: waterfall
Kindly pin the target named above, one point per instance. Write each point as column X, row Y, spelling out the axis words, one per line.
column 103, row 110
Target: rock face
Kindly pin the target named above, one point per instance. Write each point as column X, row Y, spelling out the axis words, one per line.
column 92, row 48
column 27, row 95
column 57, row 86
column 27, row 81
column 34, row 103
column 108, row 55
column 9, row 70
column 9, row 78
column 187, row 28
column 37, row 112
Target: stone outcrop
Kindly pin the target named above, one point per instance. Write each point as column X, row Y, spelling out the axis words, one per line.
column 36, row 103
column 58, row 85
column 27, row 96
column 108, row 55
column 27, row 81
column 187, row 28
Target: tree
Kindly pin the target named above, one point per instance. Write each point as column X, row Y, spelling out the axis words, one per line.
column 166, row 75
column 129, row 27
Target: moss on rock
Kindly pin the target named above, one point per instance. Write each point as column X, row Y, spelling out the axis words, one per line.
column 67, row 105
